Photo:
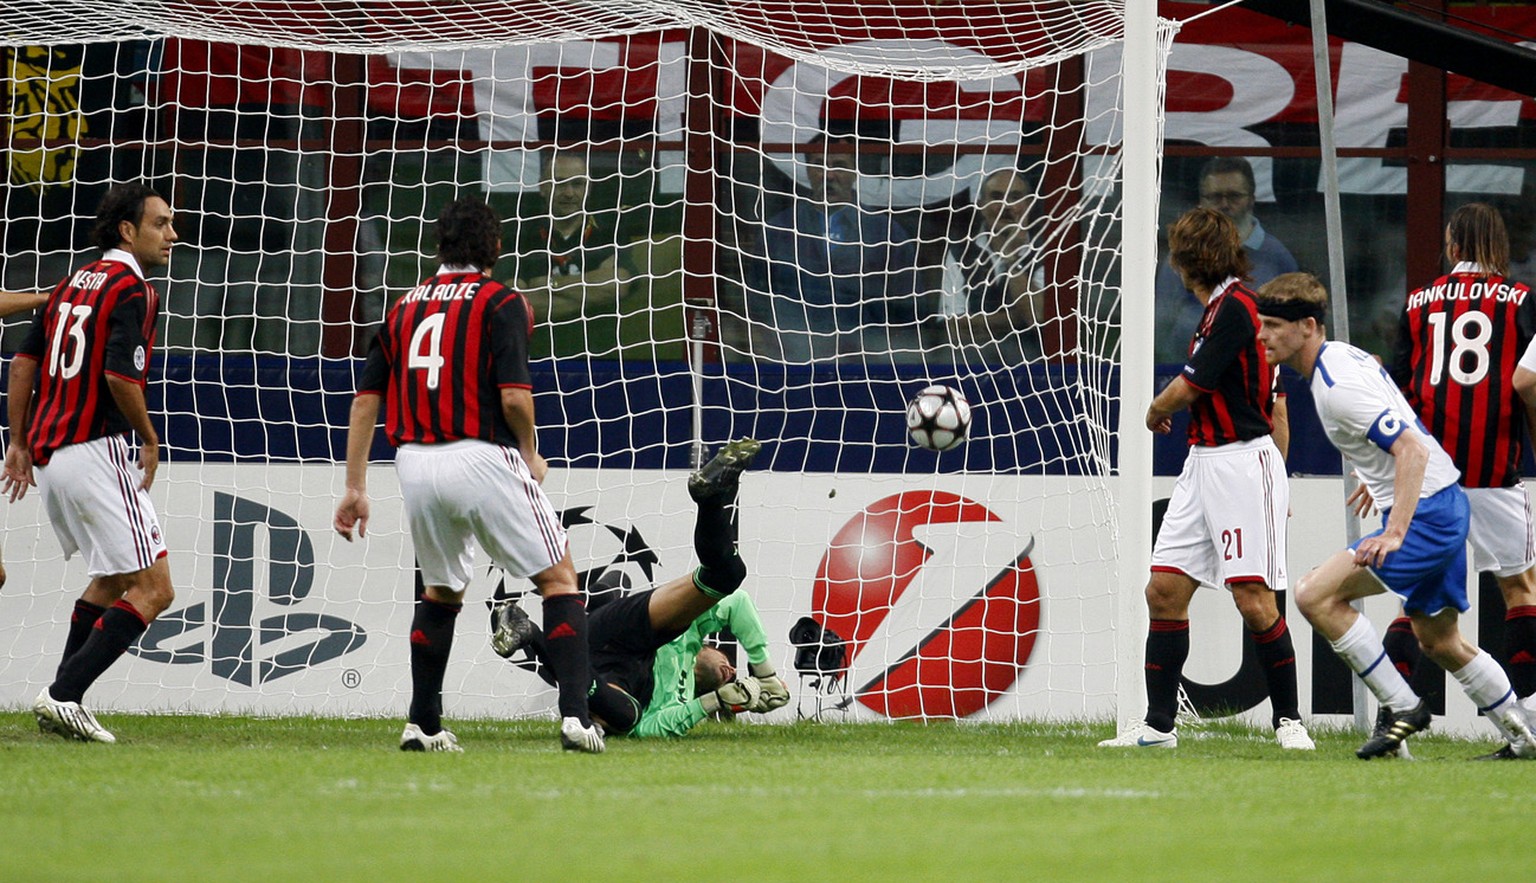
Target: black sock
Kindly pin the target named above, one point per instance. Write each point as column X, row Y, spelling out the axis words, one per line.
column 1520, row 649
column 1402, row 647
column 1277, row 657
column 117, row 627
column 81, row 622
column 721, row 570
column 431, row 642
column 1167, row 648
column 1424, row 675
column 565, row 648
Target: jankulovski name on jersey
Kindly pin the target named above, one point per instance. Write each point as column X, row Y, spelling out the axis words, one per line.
column 1450, row 288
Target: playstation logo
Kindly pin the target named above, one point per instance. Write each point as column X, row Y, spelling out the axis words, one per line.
column 232, row 648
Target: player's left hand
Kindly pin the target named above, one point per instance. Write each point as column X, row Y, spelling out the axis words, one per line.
column 352, row 511
column 149, row 461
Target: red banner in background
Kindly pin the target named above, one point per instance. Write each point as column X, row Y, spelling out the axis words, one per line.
column 1216, row 60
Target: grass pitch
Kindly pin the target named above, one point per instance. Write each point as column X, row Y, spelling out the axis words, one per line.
column 230, row 798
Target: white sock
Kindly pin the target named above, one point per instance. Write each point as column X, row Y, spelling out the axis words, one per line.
column 1486, row 684
column 1362, row 651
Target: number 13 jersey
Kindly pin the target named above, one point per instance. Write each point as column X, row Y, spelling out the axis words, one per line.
column 99, row 320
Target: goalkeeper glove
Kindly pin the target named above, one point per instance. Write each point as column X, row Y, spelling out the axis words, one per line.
column 733, row 696
column 774, row 692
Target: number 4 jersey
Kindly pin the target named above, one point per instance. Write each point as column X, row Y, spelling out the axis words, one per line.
column 1459, row 340
column 99, row 321
column 446, row 350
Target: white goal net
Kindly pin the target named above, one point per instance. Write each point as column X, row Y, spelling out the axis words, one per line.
column 775, row 219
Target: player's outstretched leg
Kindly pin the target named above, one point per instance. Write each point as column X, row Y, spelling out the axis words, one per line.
column 720, row 476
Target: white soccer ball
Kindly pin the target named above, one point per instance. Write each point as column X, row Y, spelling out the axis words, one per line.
column 938, row 418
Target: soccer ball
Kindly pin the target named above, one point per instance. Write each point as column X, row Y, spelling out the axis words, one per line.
column 938, row 418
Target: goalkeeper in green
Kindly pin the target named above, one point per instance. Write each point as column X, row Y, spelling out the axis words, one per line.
column 652, row 673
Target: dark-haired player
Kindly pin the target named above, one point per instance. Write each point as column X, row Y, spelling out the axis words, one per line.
column 654, row 674
column 76, row 392
column 1225, row 524
column 449, row 368
column 1459, row 341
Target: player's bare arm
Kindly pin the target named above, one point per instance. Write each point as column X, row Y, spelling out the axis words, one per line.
column 517, row 410
column 1411, row 456
column 1280, row 433
column 18, row 454
column 352, row 511
column 13, row 302
column 1524, row 382
column 129, row 397
column 1175, row 397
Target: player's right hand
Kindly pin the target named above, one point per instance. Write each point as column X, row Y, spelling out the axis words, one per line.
column 352, row 511
column 739, row 695
column 18, row 472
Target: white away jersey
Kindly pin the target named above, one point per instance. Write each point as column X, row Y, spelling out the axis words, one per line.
column 1363, row 413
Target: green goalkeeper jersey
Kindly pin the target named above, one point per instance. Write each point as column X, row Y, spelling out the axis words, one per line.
column 672, row 709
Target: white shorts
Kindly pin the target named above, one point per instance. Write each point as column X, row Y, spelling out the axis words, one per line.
column 472, row 489
column 1502, row 537
column 1226, row 520
column 92, row 495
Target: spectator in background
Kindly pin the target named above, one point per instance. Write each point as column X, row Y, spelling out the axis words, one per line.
column 1226, row 185
column 994, row 282
column 835, row 275
column 570, row 264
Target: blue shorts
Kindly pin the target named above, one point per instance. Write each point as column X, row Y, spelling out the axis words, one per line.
column 1429, row 571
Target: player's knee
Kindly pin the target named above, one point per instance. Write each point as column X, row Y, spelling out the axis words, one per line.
column 614, row 708
column 719, row 580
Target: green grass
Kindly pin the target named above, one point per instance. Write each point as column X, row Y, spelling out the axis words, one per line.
column 234, row 798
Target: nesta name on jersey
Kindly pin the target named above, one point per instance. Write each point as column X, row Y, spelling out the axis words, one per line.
column 444, row 292
column 87, row 281
column 1453, row 290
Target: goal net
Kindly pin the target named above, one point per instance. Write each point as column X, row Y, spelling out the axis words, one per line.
column 767, row 219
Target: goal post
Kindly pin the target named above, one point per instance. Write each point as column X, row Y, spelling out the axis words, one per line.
column 766, row 219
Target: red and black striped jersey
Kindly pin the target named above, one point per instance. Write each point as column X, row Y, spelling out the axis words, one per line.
column 1227, row 363
column 1459, row 339
column 99, row 321
column 443, row 355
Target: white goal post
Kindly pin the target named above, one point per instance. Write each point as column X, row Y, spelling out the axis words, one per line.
column 776, row 219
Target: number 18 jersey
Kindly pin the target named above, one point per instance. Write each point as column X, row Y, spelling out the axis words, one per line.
column 1459, row 339
column 443, row 355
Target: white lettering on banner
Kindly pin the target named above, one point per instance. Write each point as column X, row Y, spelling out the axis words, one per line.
column 1368, row 108
column 1261, row 88
column 792, row 110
